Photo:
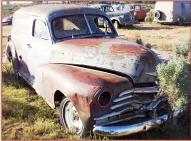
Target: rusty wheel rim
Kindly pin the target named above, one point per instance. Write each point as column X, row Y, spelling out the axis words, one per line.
column 72, row 118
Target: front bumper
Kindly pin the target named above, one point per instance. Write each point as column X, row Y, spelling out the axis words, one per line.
column 135, row 128
column 164, row 21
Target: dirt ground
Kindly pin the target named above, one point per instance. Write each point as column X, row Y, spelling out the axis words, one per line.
column 162, row 38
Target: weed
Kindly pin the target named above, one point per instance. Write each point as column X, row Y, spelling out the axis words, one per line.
column 174, row 76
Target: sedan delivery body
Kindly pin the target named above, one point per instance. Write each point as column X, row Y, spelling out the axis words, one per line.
column 102, row 83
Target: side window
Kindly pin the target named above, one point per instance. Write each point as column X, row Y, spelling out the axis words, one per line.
column 40, row 30
column 137, row 7
column 101, row 25
column 183, row 6
column 109, row 9
column 187, row 6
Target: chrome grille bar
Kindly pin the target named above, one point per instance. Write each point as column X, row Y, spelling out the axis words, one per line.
column 122, row 98
column 140, row 90
column 147, row 90
column 129, row 103
column 126, row 92
column 114, row 113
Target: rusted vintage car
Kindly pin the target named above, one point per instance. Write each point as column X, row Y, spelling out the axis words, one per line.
column 173, row 12
column 136, row 9
column 118, row 18
column 101, row 82
column 7, row 20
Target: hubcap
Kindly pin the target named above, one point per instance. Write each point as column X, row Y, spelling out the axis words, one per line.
column 72, row 118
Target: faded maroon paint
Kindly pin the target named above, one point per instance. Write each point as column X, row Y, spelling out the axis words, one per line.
column 113, row 54
column 140, row 14
column 130, row 49
column 82, row 87
column 94, row 42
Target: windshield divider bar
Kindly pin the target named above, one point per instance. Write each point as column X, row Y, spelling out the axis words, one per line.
column 88, row 24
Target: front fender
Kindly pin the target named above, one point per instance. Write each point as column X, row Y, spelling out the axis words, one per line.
column 80, row 85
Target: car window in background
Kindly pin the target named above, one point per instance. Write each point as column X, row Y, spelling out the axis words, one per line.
column 127, row 8
column 137, row 7
column 99, row 24
column 108, row 9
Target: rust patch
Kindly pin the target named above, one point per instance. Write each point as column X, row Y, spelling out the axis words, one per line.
column 87, row 42
column 80, row 100
column 81, row 104
column 128, row 49
column 93, row 77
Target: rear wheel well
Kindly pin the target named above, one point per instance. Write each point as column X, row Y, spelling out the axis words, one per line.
column 58, row 96
column 114, row 20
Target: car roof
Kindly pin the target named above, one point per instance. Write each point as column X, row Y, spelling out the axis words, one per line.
column 49, row 10
column 100, row 5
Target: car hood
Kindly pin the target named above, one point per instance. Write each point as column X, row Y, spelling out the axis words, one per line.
column 114, row 54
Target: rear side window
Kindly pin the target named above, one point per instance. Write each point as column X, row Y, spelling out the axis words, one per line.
column 137, row 7
column 40, row 30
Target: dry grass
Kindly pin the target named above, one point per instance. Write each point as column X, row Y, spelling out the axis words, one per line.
column 161, row 37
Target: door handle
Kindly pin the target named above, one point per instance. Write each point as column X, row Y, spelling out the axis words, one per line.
column 29, row 46
column 20, row 57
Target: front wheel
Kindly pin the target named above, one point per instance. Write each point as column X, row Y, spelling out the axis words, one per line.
column 116, row 24
column 70, row 119
column 15, row 64
column 180, row 21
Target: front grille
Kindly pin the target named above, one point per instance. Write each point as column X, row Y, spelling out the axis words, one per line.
column 134, row 106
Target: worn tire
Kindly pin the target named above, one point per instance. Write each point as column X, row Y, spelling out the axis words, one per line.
column 65, row 117
column 15, row 64
column 116, row 24
column 158, row 15
column 180, row 21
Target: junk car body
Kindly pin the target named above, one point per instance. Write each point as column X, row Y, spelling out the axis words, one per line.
column 7, row 20
column 103, row 83
column 172, row 12
column 118, row 18
column 136, row 10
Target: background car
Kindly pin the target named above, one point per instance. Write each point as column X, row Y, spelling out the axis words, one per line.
column 118, row 18
column 7, row 20
column 172, row 12
column 136, row 9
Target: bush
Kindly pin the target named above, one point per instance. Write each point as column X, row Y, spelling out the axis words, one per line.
column 149, row 46
column 150, row 16
column 139, row 41
column 174, row 77
column 182, row 49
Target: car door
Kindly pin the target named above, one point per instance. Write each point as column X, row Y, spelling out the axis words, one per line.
column 22, row 30
column 38, row 51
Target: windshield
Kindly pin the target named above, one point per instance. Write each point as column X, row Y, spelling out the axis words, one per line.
column 78, row 26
